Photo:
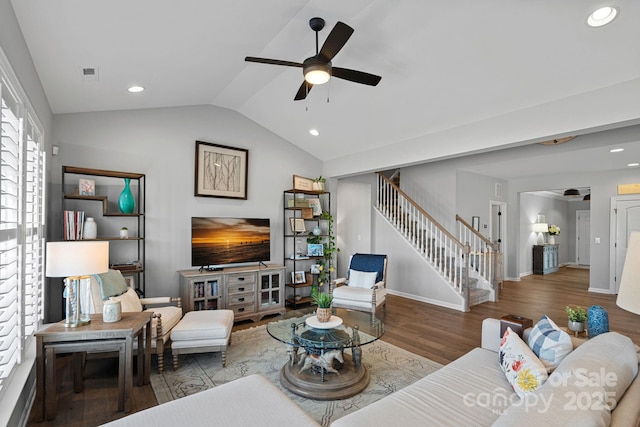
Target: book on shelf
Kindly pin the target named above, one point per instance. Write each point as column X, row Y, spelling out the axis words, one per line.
column 73, row 224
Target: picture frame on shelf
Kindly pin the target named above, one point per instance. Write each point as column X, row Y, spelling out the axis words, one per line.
column 87, row 187
column 316, row 206
column 297, row 225
column 315, row 249
column 130, row 280
column 315, row 269
column 298, row 277
column 301, row 183
column 221, row 171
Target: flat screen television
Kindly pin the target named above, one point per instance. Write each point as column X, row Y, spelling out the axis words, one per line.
column 217, row 242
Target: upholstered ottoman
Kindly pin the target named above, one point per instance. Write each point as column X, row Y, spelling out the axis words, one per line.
column 202, row 332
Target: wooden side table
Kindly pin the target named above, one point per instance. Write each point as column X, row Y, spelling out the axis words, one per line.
column 97, row 336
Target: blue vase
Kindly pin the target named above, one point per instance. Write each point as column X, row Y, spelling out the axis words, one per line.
column 126, row 202
column 597, row 320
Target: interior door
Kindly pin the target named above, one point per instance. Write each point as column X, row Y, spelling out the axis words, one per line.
column 583, row 239
column 627, row 219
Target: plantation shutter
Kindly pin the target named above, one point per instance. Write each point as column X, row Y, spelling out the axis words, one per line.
column 33, row 230
column 9, row 246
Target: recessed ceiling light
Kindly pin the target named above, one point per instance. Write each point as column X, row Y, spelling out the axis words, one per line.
column 616, row 150
column 314, row 132
column 633, row 164
column 602, row 16
column 135, row 89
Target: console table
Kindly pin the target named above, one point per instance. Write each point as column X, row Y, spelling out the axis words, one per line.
column 98, row 337
column 545, row 259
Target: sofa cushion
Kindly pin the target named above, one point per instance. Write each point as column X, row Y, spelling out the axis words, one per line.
column 362, row 279
column 247, row 401
column 470, row 391
column 524, row 371
column 584, row 387
column 549, row 343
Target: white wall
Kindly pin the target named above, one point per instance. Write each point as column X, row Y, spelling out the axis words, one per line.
column 161, row 144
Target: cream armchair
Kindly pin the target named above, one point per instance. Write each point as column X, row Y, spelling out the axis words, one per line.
column 364, row 288
column 167, row 311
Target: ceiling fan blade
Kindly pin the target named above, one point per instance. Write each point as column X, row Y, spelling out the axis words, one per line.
column 355, row 76
column 303, row 91
column 272, row 61
column 335, row 41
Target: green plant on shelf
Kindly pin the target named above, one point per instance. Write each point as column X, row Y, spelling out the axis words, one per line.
column 329, row 249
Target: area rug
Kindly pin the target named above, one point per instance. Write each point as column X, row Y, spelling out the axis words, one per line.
column 255, row 351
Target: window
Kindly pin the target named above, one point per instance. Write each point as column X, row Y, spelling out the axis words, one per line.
column 22, row 166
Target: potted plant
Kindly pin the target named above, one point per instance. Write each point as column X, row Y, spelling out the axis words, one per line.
column 577, row 317
column 323, row 301
column 124, row 233
column 318, row 183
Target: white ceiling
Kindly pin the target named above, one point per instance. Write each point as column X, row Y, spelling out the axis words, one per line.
column 444, row 65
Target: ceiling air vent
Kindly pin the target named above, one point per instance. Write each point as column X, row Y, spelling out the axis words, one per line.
column 89, row 74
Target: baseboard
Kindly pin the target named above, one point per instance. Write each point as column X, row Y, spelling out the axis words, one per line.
column 427, row 300
column 600, row 291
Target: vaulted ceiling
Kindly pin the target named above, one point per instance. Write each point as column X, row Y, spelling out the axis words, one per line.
column 448, row 68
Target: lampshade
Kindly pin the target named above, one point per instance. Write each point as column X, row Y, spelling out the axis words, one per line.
column 571, row 192
column 76, row 258
column 629, row 291
column 540, row 227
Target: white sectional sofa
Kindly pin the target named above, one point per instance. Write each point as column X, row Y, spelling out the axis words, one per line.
column 473, row 390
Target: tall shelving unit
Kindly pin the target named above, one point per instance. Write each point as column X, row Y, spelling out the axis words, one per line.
column 107, row 190
column 296, row 258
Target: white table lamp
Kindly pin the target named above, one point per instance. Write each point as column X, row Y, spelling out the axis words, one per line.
column 629, row 290
column 76, row 260
column 540, row 227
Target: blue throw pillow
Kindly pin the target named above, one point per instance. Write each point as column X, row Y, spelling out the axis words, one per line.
column 549, row 343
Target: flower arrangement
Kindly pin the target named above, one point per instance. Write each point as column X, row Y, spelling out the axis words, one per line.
column 554, row 230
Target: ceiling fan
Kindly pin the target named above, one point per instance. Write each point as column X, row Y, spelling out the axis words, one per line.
column 318, row 69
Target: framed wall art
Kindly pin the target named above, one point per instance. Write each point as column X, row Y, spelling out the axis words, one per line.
column 221, row 171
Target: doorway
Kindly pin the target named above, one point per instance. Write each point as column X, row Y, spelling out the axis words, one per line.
column 625, row 218
column 498, row 229
column 583, row 237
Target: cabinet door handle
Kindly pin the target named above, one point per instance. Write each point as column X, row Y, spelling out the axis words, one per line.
column 241, row 309
column 241, row 279
column 240, row 299
column 240, row 289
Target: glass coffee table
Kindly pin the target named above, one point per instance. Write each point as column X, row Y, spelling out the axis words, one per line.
column 319, row 366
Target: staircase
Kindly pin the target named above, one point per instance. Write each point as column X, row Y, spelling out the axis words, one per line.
column 468, row 268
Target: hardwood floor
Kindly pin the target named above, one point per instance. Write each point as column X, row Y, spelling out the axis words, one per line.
column 437, row 333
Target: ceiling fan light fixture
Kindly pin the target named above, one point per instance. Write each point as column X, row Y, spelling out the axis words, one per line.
column 571, row 192
column 317, row 73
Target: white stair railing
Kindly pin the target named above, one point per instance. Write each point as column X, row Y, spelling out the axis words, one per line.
column 443, row 250
column 484, row 256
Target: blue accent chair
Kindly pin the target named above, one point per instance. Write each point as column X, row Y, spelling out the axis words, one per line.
column 365, row 286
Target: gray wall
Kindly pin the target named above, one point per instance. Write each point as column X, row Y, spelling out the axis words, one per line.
column 161, row 144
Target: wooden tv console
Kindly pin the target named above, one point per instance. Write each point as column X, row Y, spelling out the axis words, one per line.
column 251, row 292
